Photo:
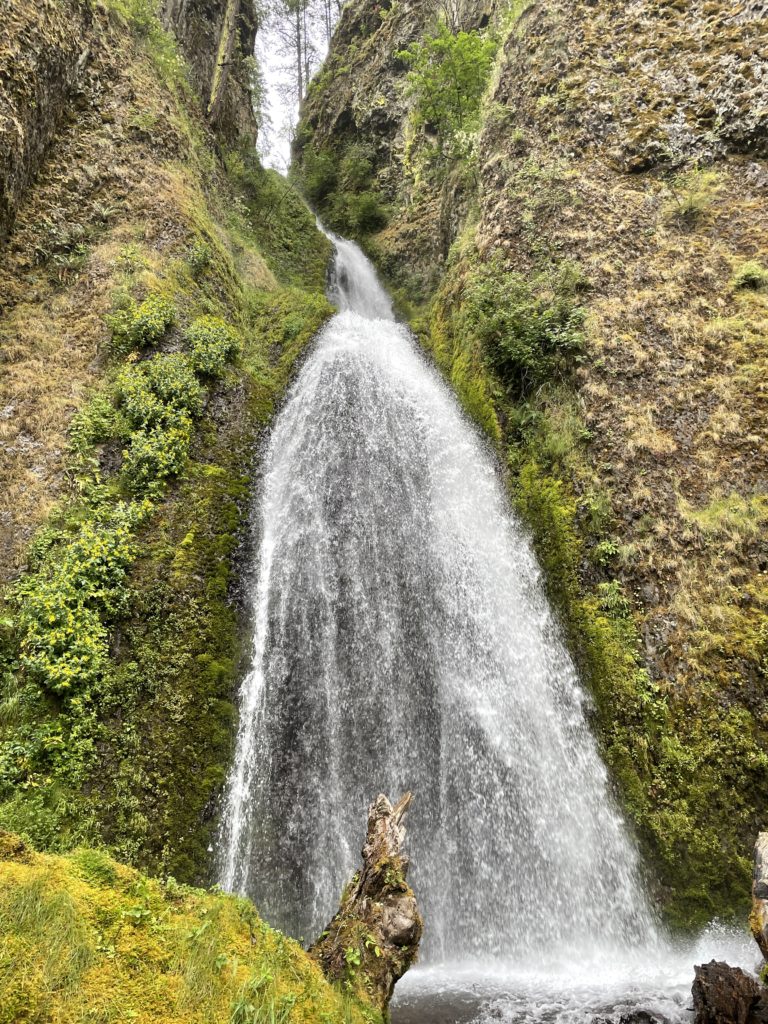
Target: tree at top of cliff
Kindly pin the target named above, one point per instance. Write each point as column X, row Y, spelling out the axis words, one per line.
column 448, row 75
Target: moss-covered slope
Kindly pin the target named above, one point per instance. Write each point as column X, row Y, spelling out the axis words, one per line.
column 85, row 938
column 589, row 269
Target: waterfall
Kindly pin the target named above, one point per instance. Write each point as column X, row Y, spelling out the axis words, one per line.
column 402, row 640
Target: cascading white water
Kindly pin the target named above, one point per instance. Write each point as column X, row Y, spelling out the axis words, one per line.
column 403, row 641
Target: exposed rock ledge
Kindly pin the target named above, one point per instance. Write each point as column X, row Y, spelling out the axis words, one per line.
column 374, row 937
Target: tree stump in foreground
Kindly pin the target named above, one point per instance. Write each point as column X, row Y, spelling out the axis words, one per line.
column 375, row 935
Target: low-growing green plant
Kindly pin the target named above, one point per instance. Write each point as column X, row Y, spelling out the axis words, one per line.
column 65, row 606
column 528, row 338
column 154, row 456
column 158, row 389
column 199, row 258
column 751, row 276
column 142, row 325
column 605, row 552
column 693, row 193
column 97, row 422
column 213, row 343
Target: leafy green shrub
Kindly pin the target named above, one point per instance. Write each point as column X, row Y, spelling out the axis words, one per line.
column 319, row 174
column 605, row 552
column 142, row 325
column 448, row 76
column 528, row 338
column 365, row 213
column 356, row 168
column 156, row 390
column 751, row 275
column 213, row 343
column 199, row 258
column 98, row 422
column 159, row 453
column 64, row 607
column 141, row 406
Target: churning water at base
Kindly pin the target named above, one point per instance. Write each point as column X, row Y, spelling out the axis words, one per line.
column 403, row 641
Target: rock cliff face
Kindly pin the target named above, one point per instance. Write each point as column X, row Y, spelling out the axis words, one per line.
column 615, row 190
column 141, row 232
column 42, row 65
column 217, row 38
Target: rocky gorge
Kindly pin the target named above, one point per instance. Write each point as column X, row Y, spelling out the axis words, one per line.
column 568, row 203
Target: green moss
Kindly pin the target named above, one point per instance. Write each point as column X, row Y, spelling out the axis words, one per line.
column 84, row 935
column 688, row 769
column 279, row 223
column 751, row 275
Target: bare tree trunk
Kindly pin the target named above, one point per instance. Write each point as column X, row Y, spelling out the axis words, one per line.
column 374, row 937
column 223, row 59
column 299, row 55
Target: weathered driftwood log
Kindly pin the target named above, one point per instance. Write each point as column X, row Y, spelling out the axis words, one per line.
column 727, row 995
column 374, row 937
column 758, row 919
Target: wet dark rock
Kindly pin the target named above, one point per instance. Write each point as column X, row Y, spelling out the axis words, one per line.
column 728, row 995
column 635, row 1017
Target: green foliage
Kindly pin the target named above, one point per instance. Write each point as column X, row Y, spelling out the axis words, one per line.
column 99, row 421
column 65, row 608
column 752, row 276
column 530, row 334
column 359, row 213
column 142, row 325
column 286, row 232
column 199, row 259
column 448, row 76
column 157, row 390
column 342, row 187
column 47, row 917
column 142, row 19
column 159, row 398
column 213, row 343
column 356, row 168
column 319, row 174
column 155, row 455
column 94, row 733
